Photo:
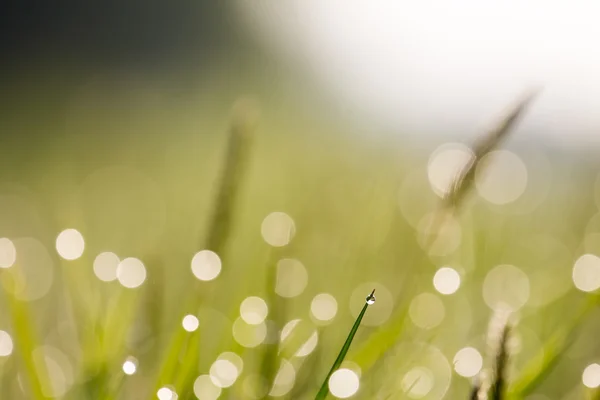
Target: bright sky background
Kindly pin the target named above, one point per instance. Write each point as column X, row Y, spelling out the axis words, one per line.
column 435, row 64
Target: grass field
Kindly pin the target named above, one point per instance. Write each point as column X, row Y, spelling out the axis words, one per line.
column 312, row 218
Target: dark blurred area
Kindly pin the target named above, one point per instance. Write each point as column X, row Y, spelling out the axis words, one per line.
column 146, row 35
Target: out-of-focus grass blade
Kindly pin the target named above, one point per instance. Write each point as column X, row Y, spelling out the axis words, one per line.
column 474, row 395
column 25, row 339
column 243, row 124
column 462, row 184
column 190, row 361
column 535, row 372
column 498, row 386
column 322, row 394
column 277, row 310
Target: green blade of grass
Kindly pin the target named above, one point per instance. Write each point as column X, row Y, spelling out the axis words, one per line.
column 243, row 124
column 277, row 310
column 26, row 339
column 322, row 394
column 535, row 372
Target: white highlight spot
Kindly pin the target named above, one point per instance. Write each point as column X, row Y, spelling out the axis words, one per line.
column 586, row 273
column 165, row 393
column 223, row 373
column 70, row 244
column 105, row 266
column 6, row 344
column 205, row 389
column 344, row 383
column 278, row 229
column 131, row 272
column 206, row 265
column 254, row 310
column 323, row 307
column 468, row 362
column 8, row 253
column 446, row 280
column 130, row 366
column 190, row 323
column 591, row 376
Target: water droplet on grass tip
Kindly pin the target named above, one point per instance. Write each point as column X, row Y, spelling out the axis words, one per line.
column 371, row 298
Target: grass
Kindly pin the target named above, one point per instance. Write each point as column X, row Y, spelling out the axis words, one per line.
column 324, row 391
column 350, row 231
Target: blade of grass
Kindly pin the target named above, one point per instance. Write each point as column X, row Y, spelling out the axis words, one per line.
column 243, row 124
column 462, row 184
column 277, row 311
column 497, row 390
column 474, row 395
column 25, row 337
column 322, row 394
column 535, row 372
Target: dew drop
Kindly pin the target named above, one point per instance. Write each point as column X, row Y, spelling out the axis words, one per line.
column 371, row 298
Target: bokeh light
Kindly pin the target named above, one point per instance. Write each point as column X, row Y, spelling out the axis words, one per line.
column 278, row 229
column 323, row 307
column 309, row 346
column 426, row 311
column 591, row 376
column 344, row 383
column 233, row 358
column 443, row 240
column 417, row 382
column 105, row 266
column 254, row 310
column 468, row 362
column 506, row 285
column 166, row 393
column 32, row 277
column 446, row 280
column 444, row 165
column 303, row 330
column 205, row 389
column 70, row 244
column 292, row 278
column 586, row 273
column 57, row 367
column 223, row 373
column 288, row 328
column 501, row 177
column 190, row 323
column 130, row 365
column 206, row 265
column 131, row 273
column 249, row 335
column 8, row 253
column 284, row 379
column 6, row 344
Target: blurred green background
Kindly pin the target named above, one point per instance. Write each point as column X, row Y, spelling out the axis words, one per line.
column 132, row 158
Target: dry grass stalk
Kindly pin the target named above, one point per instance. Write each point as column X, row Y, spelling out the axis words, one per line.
column 462, row 184
column 498, row 339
